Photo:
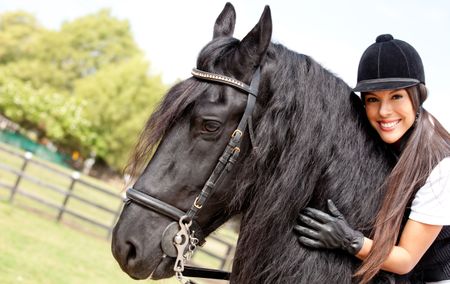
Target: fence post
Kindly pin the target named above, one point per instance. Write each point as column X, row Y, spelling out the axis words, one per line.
column 228, row 261
column 27, row 158
column 75, row 176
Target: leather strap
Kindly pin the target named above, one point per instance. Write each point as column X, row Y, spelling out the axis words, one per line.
column 224, row 165
column 198, row 272
column 231, row 153
column 199, row 74
column 162, row 208
column 154, row 204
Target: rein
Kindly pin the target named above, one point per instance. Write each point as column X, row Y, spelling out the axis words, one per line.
column 181, row 238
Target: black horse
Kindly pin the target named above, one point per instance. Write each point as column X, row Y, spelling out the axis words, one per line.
column 311, row 143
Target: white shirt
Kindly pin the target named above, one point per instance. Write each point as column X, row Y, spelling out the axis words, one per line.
column 431, row 204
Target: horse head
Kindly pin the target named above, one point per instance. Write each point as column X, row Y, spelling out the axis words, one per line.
column 200, row 122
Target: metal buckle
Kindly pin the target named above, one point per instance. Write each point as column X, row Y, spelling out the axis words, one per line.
column 236, row 132
column 198, row 206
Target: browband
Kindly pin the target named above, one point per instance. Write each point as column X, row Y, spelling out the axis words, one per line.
column 225, row 80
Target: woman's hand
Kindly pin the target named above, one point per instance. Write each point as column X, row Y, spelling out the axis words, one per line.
column 318, row 229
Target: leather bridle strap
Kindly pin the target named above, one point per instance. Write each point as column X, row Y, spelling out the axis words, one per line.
column 231, row 153
column 163, row 208
column 223, row 166
column 200, row 272
column 154, row 204
column 219, row 78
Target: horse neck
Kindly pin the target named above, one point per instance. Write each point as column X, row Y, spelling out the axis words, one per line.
column 320, row 130
column 312, row 145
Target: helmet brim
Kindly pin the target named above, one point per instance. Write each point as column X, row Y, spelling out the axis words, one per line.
column 383, row 84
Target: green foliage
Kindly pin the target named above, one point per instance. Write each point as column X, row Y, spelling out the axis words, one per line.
column 52, row 114
column 120, row 98
column 37, row 73
column 86, row 87
column 19, row 33
column 86, row 45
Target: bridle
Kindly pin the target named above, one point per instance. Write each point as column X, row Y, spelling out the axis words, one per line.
column 180, row 238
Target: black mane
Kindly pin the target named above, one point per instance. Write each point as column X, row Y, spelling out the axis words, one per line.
column 312, row 144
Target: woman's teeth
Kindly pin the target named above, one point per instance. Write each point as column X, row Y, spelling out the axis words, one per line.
column 389, row 124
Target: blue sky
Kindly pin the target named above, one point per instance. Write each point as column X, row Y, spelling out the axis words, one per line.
column 334, row 33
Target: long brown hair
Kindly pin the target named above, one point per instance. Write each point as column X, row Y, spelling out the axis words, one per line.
column 428, row 144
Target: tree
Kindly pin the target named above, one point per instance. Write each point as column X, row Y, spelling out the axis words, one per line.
column 120, row 98
column 51, row 114
column 86, row 87
column 19, row 32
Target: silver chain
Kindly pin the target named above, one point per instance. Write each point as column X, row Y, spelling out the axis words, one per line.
column 185, row 244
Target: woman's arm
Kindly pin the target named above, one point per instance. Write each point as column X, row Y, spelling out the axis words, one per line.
column 415, row 240
column 319, row 229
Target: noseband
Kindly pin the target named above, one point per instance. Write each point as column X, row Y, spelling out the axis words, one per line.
column 180, row 238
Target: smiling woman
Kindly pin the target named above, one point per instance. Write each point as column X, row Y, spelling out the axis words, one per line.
column 391, row 80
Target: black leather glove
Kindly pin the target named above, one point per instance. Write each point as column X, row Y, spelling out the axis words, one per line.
column 318, row 229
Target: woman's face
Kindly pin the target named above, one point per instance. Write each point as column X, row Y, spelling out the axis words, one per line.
column 390, row 112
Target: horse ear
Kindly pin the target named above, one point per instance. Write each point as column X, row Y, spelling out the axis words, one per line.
column 225, row 22
column 255, row 43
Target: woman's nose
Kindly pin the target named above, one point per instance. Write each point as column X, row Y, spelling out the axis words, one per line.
column 385, row 109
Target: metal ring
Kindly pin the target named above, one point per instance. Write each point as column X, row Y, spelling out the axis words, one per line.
column 184, row 218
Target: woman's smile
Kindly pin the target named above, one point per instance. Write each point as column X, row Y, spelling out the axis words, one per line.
column 390, row 112
column 389, row 125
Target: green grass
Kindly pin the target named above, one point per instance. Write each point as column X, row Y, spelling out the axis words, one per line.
column 35, row 250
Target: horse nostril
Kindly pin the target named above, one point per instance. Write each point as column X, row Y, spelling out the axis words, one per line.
column 131, row 253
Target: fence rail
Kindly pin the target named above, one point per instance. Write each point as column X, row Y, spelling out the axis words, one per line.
column 22, row 181
column 66, row 192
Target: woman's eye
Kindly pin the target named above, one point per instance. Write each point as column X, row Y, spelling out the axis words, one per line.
column 371, row 100
column 397, row 97
column 211, row 126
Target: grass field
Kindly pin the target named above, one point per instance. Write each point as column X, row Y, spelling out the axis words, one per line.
column 34, row 250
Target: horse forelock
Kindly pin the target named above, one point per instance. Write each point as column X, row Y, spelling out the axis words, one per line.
column 174, row 105
column 307, row 122
column 223, row 56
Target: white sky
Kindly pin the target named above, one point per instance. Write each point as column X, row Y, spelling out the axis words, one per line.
column 334, row 33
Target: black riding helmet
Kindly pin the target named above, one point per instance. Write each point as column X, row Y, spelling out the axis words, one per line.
column 389, row 64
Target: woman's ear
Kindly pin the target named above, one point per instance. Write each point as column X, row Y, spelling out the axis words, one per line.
column 423, row 93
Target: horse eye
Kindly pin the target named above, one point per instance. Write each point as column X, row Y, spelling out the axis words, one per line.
column 211, row 126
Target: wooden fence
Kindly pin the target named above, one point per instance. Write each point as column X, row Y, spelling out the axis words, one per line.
column 66, row 195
